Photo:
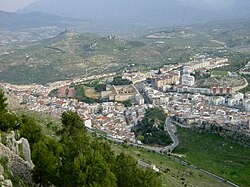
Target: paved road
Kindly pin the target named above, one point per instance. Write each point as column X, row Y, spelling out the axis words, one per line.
column 171, row 129
column 139, row 87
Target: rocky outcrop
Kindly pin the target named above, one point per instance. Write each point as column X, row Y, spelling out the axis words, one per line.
column 14, row 146
column 234, row 132
column 4, row 182
column 17, row 164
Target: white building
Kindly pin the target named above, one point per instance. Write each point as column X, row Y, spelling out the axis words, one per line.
column 155, row 168
column 87, row 120
column 247, row 105
column 164, row 100
column 188, row 80
column 238, row 96
column 231, row 102
column 218, row 100
column 187, row 70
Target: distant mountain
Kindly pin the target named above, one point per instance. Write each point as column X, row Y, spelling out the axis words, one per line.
column 239, row 9
column 131, row 12
column 198, row 4
column 12, row 20
column 208, row 4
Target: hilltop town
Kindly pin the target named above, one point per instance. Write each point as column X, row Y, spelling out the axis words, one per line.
column 173, row 88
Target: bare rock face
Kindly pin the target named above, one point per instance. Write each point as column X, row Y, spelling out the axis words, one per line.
column 26, row 151
column 17, row 164
column 7, row 183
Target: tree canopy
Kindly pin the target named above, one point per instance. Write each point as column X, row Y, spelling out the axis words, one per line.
column 151, row 129
column 86, row 160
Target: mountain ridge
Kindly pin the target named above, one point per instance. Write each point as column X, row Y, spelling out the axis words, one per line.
column 13, row 20
column 131, row 12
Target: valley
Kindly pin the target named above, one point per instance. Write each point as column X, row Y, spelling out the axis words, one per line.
column 136, row 94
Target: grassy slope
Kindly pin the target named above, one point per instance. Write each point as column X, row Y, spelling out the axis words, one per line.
column 176, row 173
column 48, row 123
column 215, row 154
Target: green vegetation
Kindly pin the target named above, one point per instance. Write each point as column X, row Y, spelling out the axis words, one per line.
column 236, row 62
column 100, row 87
column 69, row 55
column 219, row 73
column 179, row 37
column 151, row 129
column 220, row 81
column 127, row 103
column 89, row 161
column 120, row 81
column 246, row 89
column 8, row 119
column 81, row 96
column 216, row 154
column 172, row 173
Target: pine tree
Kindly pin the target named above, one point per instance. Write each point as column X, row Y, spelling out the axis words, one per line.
column 3, row 104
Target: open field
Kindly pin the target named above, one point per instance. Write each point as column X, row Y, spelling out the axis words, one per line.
column 215, row 154
column 219, row 73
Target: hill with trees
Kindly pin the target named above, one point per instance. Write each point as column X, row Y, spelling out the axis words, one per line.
column 151, row 129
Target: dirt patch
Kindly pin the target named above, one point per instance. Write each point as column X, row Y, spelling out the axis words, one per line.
column 221, row 81
column 91, row 93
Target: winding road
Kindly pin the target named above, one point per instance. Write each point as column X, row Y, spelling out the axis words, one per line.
column 171, row 129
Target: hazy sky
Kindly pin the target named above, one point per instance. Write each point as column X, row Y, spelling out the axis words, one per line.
column 13, row 5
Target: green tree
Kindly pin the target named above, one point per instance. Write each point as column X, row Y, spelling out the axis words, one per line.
column 129, row 174
column 125, row 171
column 30, row 130
column 120, row 81
column 8, row 121
column 3, row 104
column 87, row 161
column 92, row 170
column 45, row 172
